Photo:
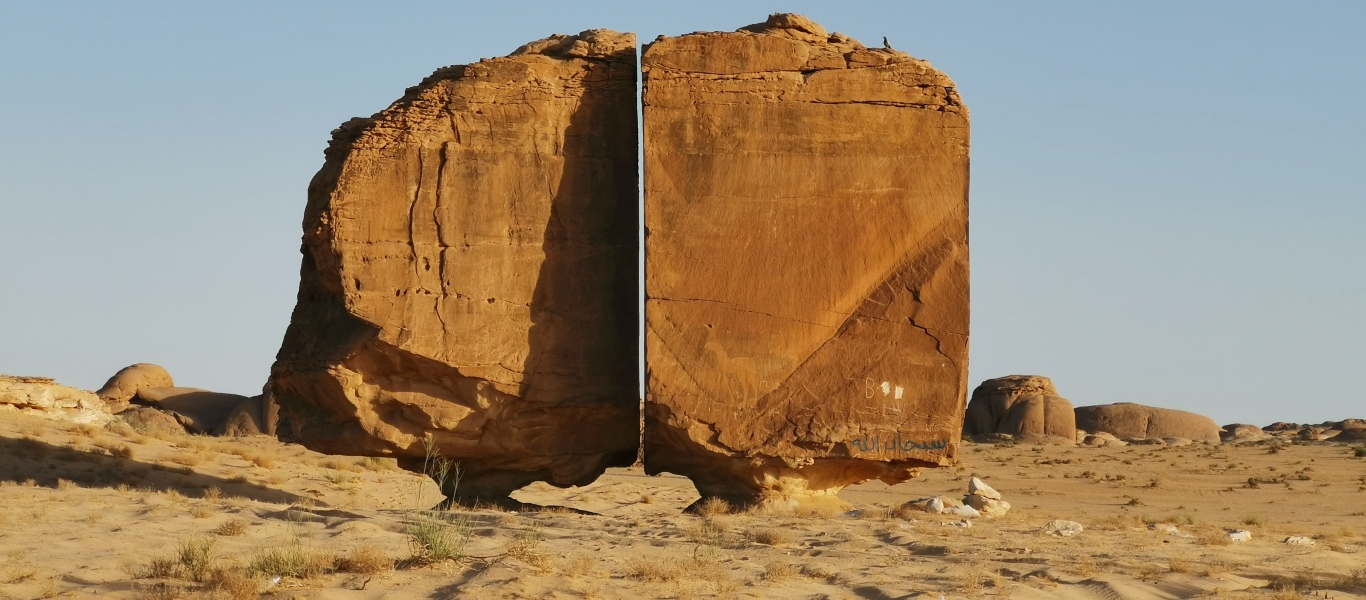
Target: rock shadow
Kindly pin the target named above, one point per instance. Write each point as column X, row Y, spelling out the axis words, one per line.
column 46, row 465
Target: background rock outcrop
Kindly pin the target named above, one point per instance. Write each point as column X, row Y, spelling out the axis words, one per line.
column 807, row 262
column 43, row 397
column 1128, row 420
column 121, row 388
column 470, row 274
column 1021, row 406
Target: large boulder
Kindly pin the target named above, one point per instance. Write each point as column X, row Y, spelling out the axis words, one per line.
column 198, row 411
column 1020, row 405
column 806, row 262
column 470, row 260
column 247, row 418
column 43, row 397
column 1127, row 420
column 121, row 388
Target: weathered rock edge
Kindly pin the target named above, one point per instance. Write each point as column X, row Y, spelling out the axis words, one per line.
column 470, row 274
column 796, row 331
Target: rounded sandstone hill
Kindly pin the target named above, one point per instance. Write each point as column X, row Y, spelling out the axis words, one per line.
column 125, row 384
column 1020, row 405
column 1128, row 420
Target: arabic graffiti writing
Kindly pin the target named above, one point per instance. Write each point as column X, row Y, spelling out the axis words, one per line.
column 875, row 443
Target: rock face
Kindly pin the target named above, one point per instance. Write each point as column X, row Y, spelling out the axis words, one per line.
column 1128, row 420
column 1020, row 405
column 470, row 273
column 43, row 397
column 125, row 384
column 806, row 262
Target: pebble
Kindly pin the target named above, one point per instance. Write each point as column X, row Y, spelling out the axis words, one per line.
column 1062, row 528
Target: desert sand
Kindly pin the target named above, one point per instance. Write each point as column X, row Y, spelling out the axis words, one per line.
column 108, row 512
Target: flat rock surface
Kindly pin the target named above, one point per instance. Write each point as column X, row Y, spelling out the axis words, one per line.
column 806, row 259
column 470, row 273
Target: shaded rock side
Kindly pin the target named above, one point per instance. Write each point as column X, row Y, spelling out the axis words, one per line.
column 1128, row 420
column 199, row 411
column 1020, row 405
column 806, row 262
column 470, row 274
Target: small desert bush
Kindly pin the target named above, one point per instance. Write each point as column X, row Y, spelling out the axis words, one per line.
column 64, row 485
column 201, row 511
column 1359, row 452
column 436, row 540
column 1254, row 521
column 525, row 544
column 295, row 559
column 232, row 528
column 87, row 430
column 770, row 536
column 365, row 559
column 116, row 449
column 188, row 459
column 713, row 506
column 163, row 591
column 710, row 532
column 653, row 569
column 579, row 565
column 233, row 583
column 1181, row 564
column 212, row 494
column 778, row 571
column 817, row 511
column 195, row 556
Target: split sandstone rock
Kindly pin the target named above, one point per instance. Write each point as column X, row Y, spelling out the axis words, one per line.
column 807, row 263
column 470, row 274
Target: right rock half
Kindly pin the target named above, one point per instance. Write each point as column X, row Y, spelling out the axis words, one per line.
column 806, row 262
column 1023, row 406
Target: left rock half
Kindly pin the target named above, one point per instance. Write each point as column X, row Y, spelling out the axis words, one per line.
column 469, row 274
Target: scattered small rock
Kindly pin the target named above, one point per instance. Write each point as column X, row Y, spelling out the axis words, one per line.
column 934, row 506
column 963, row 511
column 1299, row 540
column 1062, row 528
column 1240, row 535
column 977, row 487
column 991, row 508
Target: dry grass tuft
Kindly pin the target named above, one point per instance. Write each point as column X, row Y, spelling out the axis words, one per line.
column 366, row 559
column 232, row 528
column 195, row 556
column 201, row 511
column 779, row 571
column 714, row 506
column 770, row 536
column 296, row 560
column 233, row 584
column 64, row 485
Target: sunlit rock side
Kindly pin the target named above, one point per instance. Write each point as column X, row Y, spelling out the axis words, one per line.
column 807, row 262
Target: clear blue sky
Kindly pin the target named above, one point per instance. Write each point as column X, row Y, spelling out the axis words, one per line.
column 1168, row 198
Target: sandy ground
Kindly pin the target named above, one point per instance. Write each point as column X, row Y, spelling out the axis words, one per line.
column 111, row 513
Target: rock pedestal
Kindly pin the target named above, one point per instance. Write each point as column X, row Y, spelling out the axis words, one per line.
column 470, row 273
column 806, row 262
